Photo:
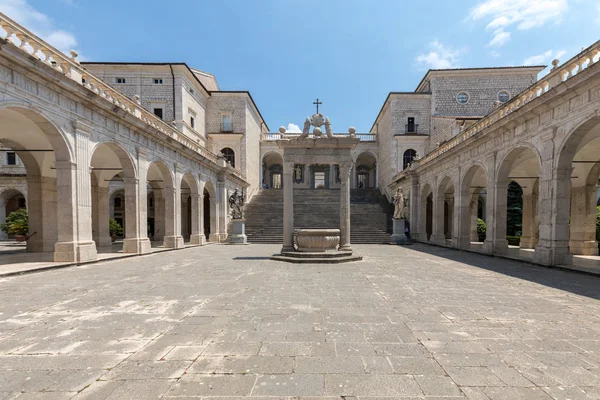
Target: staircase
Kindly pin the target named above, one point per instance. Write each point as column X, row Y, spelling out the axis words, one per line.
column 370, row 214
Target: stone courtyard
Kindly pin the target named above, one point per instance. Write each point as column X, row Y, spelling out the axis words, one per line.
column 406, row 322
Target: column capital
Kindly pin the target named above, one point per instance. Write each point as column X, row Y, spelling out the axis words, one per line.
column 81, row 127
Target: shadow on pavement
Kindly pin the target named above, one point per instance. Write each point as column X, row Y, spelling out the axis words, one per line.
column 571, row 281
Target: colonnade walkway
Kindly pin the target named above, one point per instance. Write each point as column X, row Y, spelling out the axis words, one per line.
column 406, row 322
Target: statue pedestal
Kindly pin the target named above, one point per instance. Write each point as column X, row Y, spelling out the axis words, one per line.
column 398, row 236
column 238, row 232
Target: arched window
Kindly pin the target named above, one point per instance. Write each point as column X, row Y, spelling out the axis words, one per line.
column 229, row 155
column 409, row 156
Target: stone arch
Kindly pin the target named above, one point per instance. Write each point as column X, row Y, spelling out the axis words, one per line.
column 576, row 174
column 11, row 199
column 113, row 171
column 24, row 128
column 210, row 211
column 473, row 185
column 445, row 204
column 272, row 170
column 521, row 165
column 190, row 205
column 365, row 167
column 426, row 213
column 161, row 179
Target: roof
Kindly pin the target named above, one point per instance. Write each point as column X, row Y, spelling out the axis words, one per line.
column 207, row 79
column 526, row 67
column 196, row 73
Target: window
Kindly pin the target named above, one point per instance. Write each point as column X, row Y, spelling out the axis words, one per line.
column 22, row 202
column 410, row 125
column 158, row 81
column 11, row 158
column 192, row 122
column 226, row 124
column 503, row 96
column 409, row 156
column 191, row 90
column 319, row 180
column 158, row 112
column 120, row 80
column 117, row 202
column 229, row 156
column 462, row 98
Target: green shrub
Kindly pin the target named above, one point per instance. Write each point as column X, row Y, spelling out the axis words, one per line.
column 481, row 228
column 514, row 240
column 16, row 223
column 114, row 228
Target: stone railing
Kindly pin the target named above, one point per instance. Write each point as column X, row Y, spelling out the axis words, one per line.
column 69, row 66
column 364, row 137
column 557, row 75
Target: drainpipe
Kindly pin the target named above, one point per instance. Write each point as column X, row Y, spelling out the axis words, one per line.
column 173, row 80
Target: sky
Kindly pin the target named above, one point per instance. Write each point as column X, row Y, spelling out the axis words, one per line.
column 348, row 53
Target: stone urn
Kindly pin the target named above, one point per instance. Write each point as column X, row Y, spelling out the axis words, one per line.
column 317, row 240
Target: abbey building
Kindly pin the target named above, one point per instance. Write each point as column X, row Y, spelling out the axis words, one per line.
column 158, row 147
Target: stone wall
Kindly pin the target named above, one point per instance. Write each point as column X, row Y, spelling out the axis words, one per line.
column 482, row 89
column 404, row 106
column 221, row 103
column 251, row 161
column 443, row 129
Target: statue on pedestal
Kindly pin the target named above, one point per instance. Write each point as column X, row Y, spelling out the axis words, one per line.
column 399, row 205
column 236, row 202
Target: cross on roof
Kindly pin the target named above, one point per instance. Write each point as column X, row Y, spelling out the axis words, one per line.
column 317, row 103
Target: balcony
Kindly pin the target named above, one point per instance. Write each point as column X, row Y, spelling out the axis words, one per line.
column 411, row 129
column 226, row 127
column 364, row 137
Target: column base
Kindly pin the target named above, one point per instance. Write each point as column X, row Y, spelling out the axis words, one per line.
column 103, row 242
column 173, row 242
column 527, row 242
column 198, row 239
column 213, row 237
column 345, row 248
column 584, row 247
column 222, row 237
column 78, row 252
column 488, row 247
column 500, row 246
column 137, row 245
column 553, row 255
column 286, row 249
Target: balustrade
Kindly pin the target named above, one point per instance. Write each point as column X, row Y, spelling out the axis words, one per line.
column 36, row 47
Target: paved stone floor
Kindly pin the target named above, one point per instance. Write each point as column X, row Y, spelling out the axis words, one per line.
column 224, row 322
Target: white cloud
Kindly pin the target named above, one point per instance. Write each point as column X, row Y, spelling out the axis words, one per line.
column 524, row 14
column 439, row 56
column 293, row 128
column 544, row 58
column 39, row 23
column 500, row 38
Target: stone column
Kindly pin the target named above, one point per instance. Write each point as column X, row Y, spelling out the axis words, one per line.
column 500, row 244
column 101, row 216
column 555, row 198
column 197, row 234
column 450, row 228
column 142, row 209
column 528, row 235
column 74, row 195
column 414, row 208
column 345, row 207
column 136, row 233
column 159, row 215
column 42, row 211
column 4, row 236
column 583, row 221
column 288, row 207
column 172, row 239
column 473, row 208
column 222, row 211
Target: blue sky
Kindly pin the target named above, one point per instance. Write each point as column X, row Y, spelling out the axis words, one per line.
column 348, row 53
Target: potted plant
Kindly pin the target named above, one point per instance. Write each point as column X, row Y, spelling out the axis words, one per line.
column 114, row 229
column 16, row 224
